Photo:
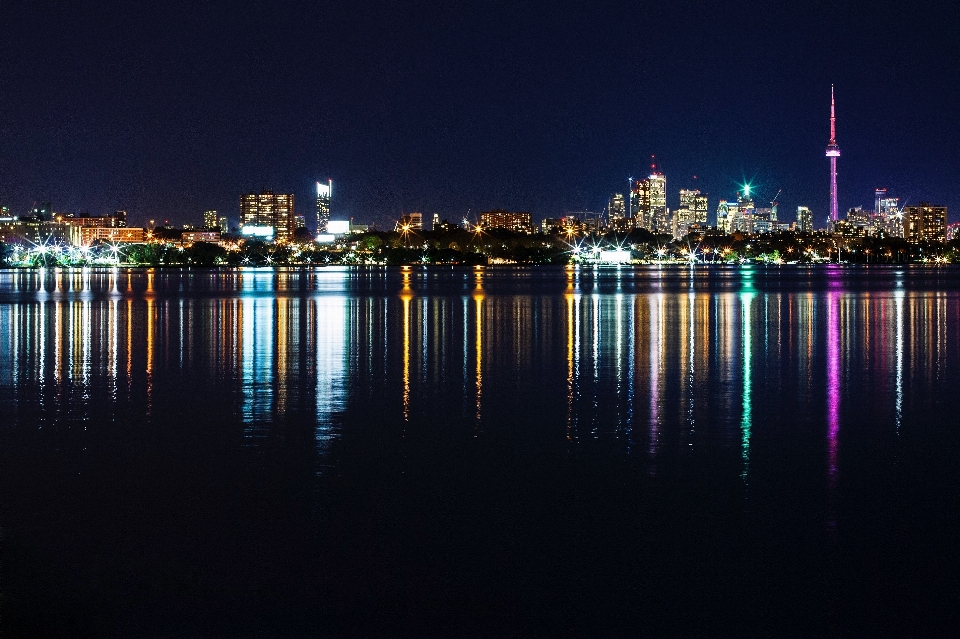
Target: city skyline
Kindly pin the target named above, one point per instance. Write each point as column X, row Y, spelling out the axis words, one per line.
column 568, row 107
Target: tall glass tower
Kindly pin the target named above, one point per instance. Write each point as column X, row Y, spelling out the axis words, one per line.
column 324, row 193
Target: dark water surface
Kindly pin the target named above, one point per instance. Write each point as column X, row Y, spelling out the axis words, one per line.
column 498, row 452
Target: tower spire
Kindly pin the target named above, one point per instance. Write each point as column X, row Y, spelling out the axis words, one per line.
column 833, row 152
column 833, row 119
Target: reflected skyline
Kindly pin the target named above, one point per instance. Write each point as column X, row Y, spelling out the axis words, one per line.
column 667, row 355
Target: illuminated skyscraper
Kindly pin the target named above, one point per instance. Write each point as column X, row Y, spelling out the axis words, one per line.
column 693, row 210
column 210, row 219
column 892, row 216
column 879, row 196
column 324, row 194
column 650, row 203
column 726, row 215
column 925, row 223
column 833, row 152
column 616, row 208
column 640, row 204
column 696, row 203
column 267, row 210
column 658, row 203
column 804, row 219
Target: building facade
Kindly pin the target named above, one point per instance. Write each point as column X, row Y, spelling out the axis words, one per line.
column 925, row 223
column 804, row 219
column 324, row 196
column 521, row 222
column 268, row 210
column 210, row 219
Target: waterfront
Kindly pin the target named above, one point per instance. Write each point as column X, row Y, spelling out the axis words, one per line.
column 492, row 451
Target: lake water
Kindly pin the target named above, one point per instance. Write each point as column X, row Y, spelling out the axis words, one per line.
column 480, row 452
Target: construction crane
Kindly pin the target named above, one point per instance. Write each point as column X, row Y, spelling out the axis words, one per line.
column 773, row 202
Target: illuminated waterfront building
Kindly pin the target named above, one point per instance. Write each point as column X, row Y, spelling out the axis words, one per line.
column 324, row 196
column 925, row 223
column 521, row 222
column 268, row 214
column 87, row 235
column 804, row 219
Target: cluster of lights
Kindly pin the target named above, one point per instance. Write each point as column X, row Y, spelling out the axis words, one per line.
column 57, row 254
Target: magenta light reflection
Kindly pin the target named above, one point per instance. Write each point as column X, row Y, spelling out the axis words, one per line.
column 833, row 395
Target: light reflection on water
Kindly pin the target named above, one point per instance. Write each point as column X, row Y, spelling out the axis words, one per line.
column 643, row 438
column 606, row 347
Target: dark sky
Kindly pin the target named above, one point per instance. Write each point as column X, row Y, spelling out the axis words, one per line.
column 170, row 108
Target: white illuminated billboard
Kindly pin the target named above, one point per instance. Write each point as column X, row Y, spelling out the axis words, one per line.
column 326, row 238
column 615, row 257
column 338, row 227
column 257, row 231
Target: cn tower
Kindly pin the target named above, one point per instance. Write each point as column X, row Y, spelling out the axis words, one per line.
column 833, row 152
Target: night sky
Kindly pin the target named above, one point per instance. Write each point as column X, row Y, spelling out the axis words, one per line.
column 167, row 109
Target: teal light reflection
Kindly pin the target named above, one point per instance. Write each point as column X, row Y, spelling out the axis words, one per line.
column 746, row 422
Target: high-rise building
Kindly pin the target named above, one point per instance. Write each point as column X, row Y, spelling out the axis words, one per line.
column 223, row 224
column 658, row 203
column 925, row 223
column 324, row 195
column 726, row 216
column 833, row 152
column 266, row 214
column 616, row 208
column 804, row 219
column 879, row 196
column 435, row 226
column 650, row 203
column 692, row 199
column 745, row 212
column 521, row 222
column 640, row 204
column 210, row 219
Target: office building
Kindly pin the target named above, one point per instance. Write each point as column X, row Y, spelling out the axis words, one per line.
column 804, row 219
column 649, row 201
column 324, row 196
column 268, row 214
column 616, row 209
column 697, row 204
column 726, row 216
